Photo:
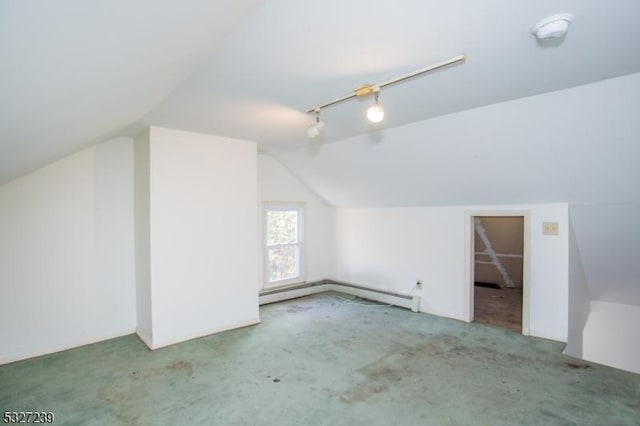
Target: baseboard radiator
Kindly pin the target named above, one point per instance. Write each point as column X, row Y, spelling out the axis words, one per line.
column 305, row 289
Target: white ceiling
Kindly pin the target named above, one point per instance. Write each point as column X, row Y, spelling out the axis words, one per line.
column 292, row 55
column 76, row 72
column 579, row 146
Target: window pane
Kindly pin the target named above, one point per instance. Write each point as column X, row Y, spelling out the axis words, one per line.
column 282, row 227
column 283, row 262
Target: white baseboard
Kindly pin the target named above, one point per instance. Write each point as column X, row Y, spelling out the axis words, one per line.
column 291, row 294
column 186, row 338
column 533, row 333
column 145, row 339
column 411, row 302
column 372, row 295
column 8, row 359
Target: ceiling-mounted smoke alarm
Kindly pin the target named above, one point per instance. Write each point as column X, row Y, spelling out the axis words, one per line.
column 552, row 27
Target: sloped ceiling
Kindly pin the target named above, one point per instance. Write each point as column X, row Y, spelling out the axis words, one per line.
column 577, row 145
column 75, row 72
column 291, row 55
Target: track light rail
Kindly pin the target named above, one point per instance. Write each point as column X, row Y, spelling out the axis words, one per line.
column 403, row 77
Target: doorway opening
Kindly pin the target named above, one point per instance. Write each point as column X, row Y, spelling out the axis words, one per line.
column 498, row 266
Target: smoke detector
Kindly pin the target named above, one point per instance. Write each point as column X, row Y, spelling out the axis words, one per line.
column 552, row 27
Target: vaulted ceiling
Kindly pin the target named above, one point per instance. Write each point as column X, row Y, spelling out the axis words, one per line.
column 75, row 72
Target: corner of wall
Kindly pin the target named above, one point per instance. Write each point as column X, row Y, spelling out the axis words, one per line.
column 579, row 298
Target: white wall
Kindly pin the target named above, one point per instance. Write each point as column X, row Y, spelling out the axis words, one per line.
column 66, row 253
column 203, row 234
column 579, row 298
column 578, row 145
column 608, row 237
column 276, row 183
column 390, row 248
column 142, row 238
column 611, row 336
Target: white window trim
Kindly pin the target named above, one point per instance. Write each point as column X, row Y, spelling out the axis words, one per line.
column 283, row 205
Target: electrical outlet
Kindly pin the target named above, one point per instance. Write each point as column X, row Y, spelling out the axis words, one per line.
column 550, row 228
column 419, row 284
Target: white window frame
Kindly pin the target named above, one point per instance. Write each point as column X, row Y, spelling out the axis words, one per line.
column 282, row 206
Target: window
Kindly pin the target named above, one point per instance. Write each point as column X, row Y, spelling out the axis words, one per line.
column 283, row 244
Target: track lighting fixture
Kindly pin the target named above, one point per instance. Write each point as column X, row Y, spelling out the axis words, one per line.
column 375, row 113
column 314, row 130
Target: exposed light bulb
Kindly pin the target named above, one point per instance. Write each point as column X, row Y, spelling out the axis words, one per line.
column 375, row 113
column 314, row 131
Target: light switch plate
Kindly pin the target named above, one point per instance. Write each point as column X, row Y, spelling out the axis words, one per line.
column 550, row 228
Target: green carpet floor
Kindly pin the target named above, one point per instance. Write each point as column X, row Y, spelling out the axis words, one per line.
column 325, row 360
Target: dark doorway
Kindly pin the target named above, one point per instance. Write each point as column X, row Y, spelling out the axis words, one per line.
column 498, row 271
